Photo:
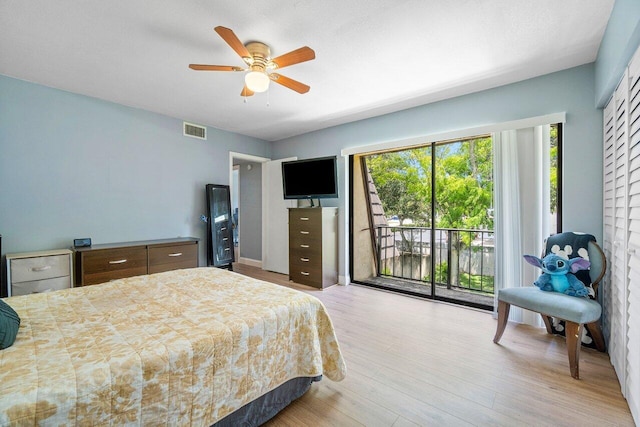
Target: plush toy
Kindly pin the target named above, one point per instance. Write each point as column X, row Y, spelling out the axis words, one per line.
column 558, row 274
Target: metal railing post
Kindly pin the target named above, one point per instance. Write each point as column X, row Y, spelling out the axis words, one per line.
column 379, row 254
column 449, row 265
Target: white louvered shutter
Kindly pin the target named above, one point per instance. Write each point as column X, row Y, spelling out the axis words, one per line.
column 608, row 213
column 632, row 382
column 618, row 284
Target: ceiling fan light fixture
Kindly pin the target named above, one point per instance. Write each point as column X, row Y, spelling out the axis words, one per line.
column 257, row 81
column 257, row 56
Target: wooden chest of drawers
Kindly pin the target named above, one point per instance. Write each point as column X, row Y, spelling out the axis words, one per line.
column 102, row 263
column 313, row 246
column 33, row 272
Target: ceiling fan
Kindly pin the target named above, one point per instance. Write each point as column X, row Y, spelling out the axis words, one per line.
column 257, row 57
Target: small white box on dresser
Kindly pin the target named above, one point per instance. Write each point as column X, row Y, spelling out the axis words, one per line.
column 33, row 272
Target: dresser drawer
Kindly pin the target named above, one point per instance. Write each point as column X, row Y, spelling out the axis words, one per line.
column 37, row 286
column 305, row 266
column 101, row 266
column 306, row 216
column 174, row 257
column 303, row 256
column 312, row 244
column 39, row 268
column 305, row 229
column 306, row 275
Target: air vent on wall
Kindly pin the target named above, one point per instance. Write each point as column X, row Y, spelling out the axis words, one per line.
column 194, row 131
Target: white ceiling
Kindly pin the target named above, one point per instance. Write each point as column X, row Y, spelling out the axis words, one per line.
column 372, row 56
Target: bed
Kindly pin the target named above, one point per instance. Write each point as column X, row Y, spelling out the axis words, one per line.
column 200, row 346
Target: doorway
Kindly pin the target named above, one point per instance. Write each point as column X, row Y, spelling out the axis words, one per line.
column 245, row 178
column 262, row 221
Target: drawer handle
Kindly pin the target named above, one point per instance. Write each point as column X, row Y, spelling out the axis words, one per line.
column 225, row 239
column 304, row 246
column 304, row 232
column 176, row 254
column 227, row 249
column 304, row 218
column 304, row 259
column 304, row 273
column 120, row 261
column 43, row 268
column 223, row 228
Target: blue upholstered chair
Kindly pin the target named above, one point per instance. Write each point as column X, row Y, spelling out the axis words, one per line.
column 577, row 312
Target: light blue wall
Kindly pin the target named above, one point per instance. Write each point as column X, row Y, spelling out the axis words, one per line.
column 73, row 166
column 570, row 91
column 251, row 212
column 620, row 41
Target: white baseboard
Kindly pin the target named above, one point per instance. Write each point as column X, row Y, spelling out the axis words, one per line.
column 251, row 262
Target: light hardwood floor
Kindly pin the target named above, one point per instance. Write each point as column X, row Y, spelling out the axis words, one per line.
column 417, row 362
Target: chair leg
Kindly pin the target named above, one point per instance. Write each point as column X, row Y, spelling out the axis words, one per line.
column 573, row 333
column 596, row 334
column 503, row 317
column 547, row 323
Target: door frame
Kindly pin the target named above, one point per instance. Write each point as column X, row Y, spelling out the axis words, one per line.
column 256, row 159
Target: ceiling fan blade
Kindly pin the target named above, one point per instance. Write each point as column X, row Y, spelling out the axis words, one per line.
column 297, row 56
column 290, row 83
column 246, row 91
column 233, row 41
column 205, row 67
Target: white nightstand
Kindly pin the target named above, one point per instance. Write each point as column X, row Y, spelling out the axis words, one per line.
column 33, row 272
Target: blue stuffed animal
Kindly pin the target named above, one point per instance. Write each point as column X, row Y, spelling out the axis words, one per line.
column 557, row 276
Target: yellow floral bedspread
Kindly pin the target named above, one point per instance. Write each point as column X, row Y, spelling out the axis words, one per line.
column 184, row 347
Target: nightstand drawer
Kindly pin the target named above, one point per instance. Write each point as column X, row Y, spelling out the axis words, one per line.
column 39, row 268
column 37, row 286
column 41, row 271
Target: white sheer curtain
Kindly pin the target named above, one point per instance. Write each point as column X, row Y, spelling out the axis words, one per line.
column 522, row 205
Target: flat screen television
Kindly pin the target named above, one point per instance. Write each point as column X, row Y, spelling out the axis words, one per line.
column 310, row 178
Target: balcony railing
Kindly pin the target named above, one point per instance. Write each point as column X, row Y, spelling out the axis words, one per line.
column 464, row 259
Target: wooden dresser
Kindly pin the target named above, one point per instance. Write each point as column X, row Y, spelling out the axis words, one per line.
column 313, row 246
column 105, row 262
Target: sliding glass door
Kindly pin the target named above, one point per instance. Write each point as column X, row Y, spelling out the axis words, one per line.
column 463, row 234
column 423, row 217
column 431, row 220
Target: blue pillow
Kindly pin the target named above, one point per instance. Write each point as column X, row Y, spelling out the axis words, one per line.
column 9, row 324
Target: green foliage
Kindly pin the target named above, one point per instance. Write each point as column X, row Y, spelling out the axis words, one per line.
column 464, row 185
column 476, row 282
column 403, row 183
column 442, row 272
column 463, row 177
column 386, row 271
